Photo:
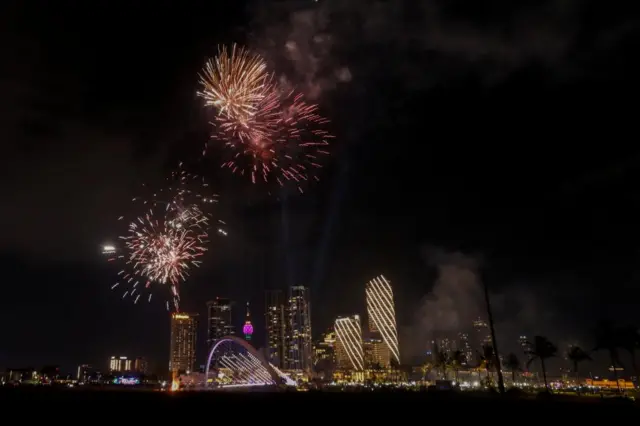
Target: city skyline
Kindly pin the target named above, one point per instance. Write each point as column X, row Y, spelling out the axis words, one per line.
column 419, row 184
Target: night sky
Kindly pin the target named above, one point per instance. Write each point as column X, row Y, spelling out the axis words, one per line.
column 489, row 142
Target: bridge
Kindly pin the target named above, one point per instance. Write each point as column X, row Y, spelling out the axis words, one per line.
column 234, row 363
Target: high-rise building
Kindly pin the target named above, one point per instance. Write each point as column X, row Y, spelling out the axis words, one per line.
column 464, row 346
column 382, row 314
column 247, row 328
column 298, row 338
column 376, row 352
column 220, row 321
column 119, row 364
column 483, row 335
column 276, row 327
column 348, row 347
column 323, row 350
column 183, row 342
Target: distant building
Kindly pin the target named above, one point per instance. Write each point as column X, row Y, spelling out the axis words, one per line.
column 140, row 365
column 276, row 327
column 298, row 338
column 183, row 342
column 348, row 347
column 483, row 334
column 465, row 347
column 220, row 320
column 84, row 371
column 376, row 352
column 119, row 364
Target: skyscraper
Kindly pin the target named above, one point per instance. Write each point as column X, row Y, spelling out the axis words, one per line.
column 348, row 346
column 382, row 314
column 299, row 344
column 220, row 321
column 183, row 342
column 276, row 329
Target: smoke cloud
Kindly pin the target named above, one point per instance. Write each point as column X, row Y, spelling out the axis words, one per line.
column 320, row 45
column 519, row 308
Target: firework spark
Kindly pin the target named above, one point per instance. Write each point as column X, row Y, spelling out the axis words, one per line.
column 234, row 83
column 284, row 139
column 163, row 251
column 164, row 243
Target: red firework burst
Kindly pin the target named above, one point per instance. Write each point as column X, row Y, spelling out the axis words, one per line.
column 284, row 141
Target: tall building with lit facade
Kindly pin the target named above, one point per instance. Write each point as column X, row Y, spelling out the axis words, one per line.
column 219, row 319
column 348, row 347
column 119, row 364
column 298, row 338
column 483, row 334
column 465, row 347
column 324, row 350
column 382, row 314
column 376, row 352
column 276, row 327
column 184, row 329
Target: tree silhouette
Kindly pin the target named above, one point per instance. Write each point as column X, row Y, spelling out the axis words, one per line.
column 608, row 338
column 457, row 360
column 442, row 362
column 542, row 349
column 513, row 363
column 629, row 340
column 576, row 355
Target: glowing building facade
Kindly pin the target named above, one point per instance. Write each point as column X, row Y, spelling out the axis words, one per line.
column 183, row 342
column 120, row 363
column 382, row 314
column 220, row 321
column 348, row 347
column 276, row 329
column 298, row 332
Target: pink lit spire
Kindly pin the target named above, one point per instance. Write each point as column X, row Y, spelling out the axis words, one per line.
column 247, row 329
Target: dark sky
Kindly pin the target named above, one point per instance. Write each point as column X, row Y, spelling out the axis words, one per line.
column 503, row 131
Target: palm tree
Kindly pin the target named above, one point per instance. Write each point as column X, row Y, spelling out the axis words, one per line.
column 629, row 340
column 496, row 354
column 457, row 359
column 542, row 349
column 486, row 360
column 513, row 363
column 576, row 355
column 608, row 338
column 442, row 362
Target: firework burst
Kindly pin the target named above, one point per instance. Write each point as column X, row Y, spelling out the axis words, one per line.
column 162, row 245
column 235, row 83
column 283, row 141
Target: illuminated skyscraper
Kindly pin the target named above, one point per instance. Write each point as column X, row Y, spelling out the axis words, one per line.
column 348, row 347
column 276, row 329
column 220, row 322
column 299, row 344
column 382, row 314
column 183, row 342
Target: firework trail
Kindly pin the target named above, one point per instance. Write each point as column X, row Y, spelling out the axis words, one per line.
column 235, row 82
column 164, row 243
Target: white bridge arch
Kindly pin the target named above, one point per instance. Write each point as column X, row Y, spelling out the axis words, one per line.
column 277, row 376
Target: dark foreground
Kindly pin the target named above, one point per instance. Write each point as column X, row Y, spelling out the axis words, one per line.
column 306, row 407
